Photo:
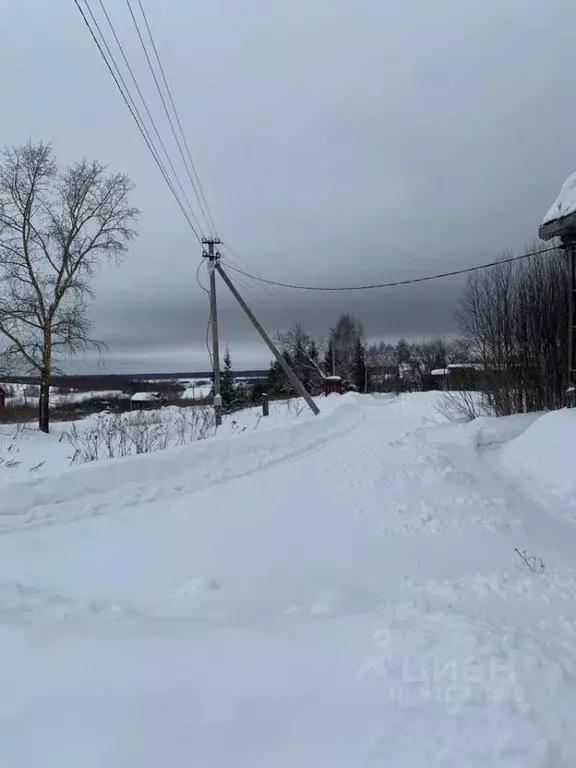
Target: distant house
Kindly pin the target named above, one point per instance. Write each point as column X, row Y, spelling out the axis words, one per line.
column 459, row 376
column 440, row 375
column 141, row 401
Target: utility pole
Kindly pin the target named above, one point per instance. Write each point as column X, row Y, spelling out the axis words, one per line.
column 333, row 356
column 269, row 343
column 213, row 257
column 571, row 251
column 563, row 225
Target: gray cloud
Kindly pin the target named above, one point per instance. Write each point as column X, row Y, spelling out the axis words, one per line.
column 337, row 142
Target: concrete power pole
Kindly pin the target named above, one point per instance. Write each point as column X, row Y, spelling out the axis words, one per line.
column 564, row 227
column 269, row 343
column 213, row 257
column 571, row 251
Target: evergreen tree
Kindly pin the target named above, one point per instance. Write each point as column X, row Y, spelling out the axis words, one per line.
column 329, row 356
column 359, row 366
column 301, row 364
column 228, row 386
column 257, row 390
column 278, row 383
column 313, row 352
column 403, row 352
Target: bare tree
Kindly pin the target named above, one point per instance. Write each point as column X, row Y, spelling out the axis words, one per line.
column 342, row 345
column 56, row 229
column 304, row 354
column 423, row 358
column 514, row 317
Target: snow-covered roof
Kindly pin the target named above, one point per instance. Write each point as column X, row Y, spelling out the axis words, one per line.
column 142, row 397
column 565, row 203
column 333, row 378
column 563, row 207
column 471, row 366
column 456, row 367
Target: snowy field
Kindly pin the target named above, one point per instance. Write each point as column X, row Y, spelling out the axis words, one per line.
column 28, row 395
column 334, row 591
column 26, row 452
column 22, row 397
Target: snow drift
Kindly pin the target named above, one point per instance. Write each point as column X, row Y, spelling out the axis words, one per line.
column 544, row 457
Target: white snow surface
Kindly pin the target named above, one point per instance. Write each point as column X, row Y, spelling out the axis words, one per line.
column 543, row 458
column 565, row 203
column 197, row 391
column 144, row 397
column 332, row 591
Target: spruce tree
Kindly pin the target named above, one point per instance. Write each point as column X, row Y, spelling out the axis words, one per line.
column 329, row 363
column 359, row 366
column 228, row 382
column 278, row 383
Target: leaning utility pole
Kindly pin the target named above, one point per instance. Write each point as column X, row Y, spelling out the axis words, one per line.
column 270, row 344
column 213, row 257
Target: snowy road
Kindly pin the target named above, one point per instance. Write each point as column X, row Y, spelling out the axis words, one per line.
column 337, row 591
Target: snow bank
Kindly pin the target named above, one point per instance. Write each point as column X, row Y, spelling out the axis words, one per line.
column 218, row 459
column 27, row 453
column 543, row 458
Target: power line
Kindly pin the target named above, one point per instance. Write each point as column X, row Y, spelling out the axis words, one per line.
column 272, row 292
column 150, row 117
column 202, row 198
column 165, row 106
column 396, row 283
column 130, row 103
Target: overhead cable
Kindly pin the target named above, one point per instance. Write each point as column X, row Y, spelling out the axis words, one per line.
column 150, row 116
column 131, row 105
column 191, row 168
column 395, row 283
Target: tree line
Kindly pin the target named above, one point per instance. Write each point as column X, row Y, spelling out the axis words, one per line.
column 514, row 317
column 511, row 344
column 363, row 366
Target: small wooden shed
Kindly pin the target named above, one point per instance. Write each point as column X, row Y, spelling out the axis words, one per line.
column 333, row 385
column 141, row 401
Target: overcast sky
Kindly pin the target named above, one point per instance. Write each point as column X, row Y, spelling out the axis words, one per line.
column 338, row 142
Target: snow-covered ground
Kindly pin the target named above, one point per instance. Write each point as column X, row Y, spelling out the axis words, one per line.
column 331, row 591
column 25, row 452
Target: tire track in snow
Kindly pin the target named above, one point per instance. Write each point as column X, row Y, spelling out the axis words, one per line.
column 99, row 489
